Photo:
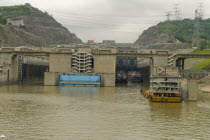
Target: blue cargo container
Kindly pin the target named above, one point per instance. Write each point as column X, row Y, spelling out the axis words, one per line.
column 80, row 80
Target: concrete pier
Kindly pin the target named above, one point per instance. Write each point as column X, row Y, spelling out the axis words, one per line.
column 189, row 89
column 8, row 69
column 105, row 65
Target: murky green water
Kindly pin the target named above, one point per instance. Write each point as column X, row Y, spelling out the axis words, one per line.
column 35, row 112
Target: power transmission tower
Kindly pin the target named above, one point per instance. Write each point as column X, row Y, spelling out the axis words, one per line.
column 177, row 12
column 196, row 33
column 200, row 11
column 168, row 15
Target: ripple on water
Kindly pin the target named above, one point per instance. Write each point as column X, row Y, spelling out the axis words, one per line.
column 118, row 113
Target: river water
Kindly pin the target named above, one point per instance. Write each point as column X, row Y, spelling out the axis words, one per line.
column 35, row 112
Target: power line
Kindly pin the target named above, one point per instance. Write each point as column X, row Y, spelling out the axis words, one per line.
column 89, row 27
column 95, row 22
column 107, row 16
column 83, row 19
column 99, row 30
column 120, row 19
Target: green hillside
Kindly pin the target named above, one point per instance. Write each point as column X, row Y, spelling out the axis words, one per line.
column 13, row 11
column 183, row 31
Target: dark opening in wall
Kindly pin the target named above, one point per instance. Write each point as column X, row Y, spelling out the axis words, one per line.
column 33, row 72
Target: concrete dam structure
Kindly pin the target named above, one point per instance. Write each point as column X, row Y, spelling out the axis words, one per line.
column 52, row 64
column 69, row 64
column 16, row 68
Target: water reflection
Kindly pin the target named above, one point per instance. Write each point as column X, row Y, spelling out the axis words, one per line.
column 167, row 110
column 83, row 92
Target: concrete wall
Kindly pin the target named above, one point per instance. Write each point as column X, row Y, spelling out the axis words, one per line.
column 143, row 62
column 189, row 89
column 17, row 23
column 14, row 69
column 161, row 60
column 51, row 79
column 108, row 80
column 34, row 60
column 192, row 90
column 60, row 63
column 105, row 65
column 194, row 76
column 190, row 50
column 174, row 71
column 8, row 69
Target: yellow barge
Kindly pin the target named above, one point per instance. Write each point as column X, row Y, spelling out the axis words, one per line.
column 160, row 97
column 163, row 89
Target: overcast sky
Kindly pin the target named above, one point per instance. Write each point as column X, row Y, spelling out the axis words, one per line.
column 120, row 20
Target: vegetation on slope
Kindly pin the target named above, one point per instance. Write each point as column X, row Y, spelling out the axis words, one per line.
column 204, row 65
column 201, row 51
column 39, row 29
column 13, row 11
column 183, row 30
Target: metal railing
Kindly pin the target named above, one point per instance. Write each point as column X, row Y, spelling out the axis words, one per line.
column 194, row 71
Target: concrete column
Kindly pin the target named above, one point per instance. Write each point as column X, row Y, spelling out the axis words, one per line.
column 60, row 63
column 182, row 64
column 151, row 66
column 189, row 89
column 14, row 69
column 108, row 79
column 184, row 88
column 27, row 71
column 51, row 79
column 179, row 63
column 160, row 61
column 192, row 90
column 105, row 65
